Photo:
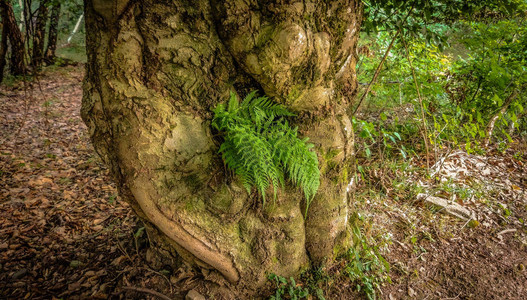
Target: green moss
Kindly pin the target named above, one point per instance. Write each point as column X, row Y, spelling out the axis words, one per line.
column 222, row 201
column 193, row 182
column 194, row 204
column 294, row 93
column 344, row 175
column 264, row 35
column 329, row 164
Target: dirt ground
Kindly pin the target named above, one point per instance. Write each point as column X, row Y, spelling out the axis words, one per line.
column 66, row 234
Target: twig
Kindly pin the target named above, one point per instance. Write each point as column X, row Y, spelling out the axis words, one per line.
column 147, row 291
column 507, row 231
column 379, row 67
column 503, row 109
column 420, row 104
column 162, row 275
column 451, row 298
column 125, row 252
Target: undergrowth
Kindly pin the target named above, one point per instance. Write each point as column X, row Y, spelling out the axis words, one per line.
column 287, row 289
column 365, row 266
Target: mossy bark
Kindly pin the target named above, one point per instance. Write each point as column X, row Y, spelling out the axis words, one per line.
column 156, row 68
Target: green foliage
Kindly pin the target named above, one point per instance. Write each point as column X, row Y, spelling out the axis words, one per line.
column 261, row 147
column 463, row 88
column 366, row 267
column 287, row 289
column 395, row 86
column 383, row 135
column 482, row 83
column 429, row 20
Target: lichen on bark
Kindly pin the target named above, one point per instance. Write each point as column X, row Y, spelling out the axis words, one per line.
column 156, row 68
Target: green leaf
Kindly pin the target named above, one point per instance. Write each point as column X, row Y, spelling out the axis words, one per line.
column 261, row 147
column 368, row 151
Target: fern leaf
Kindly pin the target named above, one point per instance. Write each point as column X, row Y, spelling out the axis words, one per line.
column 233, row 102
column 261, row 147
column 300, row 163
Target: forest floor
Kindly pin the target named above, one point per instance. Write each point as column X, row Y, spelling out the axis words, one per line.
column 65, row 233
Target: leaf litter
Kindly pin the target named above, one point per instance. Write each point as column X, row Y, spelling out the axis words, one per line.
column 476, row 251
column 64, row 231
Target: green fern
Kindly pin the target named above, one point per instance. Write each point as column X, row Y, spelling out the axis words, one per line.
column 262, row 148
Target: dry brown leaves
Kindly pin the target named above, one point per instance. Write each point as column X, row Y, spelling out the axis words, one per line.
column 64, row 232
column 499, row 178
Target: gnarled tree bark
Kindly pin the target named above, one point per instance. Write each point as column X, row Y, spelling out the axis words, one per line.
column 156, row 69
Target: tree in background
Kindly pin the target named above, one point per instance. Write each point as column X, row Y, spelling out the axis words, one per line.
column 51, row 46
column 32, row 41
column 39, row 34
column 14, row 36
column 3, row 44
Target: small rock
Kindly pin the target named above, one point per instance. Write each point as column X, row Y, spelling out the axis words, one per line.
column 411, row 292
column 194, row 295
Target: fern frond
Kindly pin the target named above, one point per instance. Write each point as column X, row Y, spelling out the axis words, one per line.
column 265, row 105
column 299, row 162
column 233, row 103
column 261, row 147
column 253, row 158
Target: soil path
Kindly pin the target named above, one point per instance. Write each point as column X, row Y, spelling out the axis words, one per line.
column 64, row 232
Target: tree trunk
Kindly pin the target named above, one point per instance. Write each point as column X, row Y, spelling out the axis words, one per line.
column 28, row 19
column 21, row 25
column 49, row 57
column 156, row 69
column 39, row 35
column 3, row 43
column 15, row 38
